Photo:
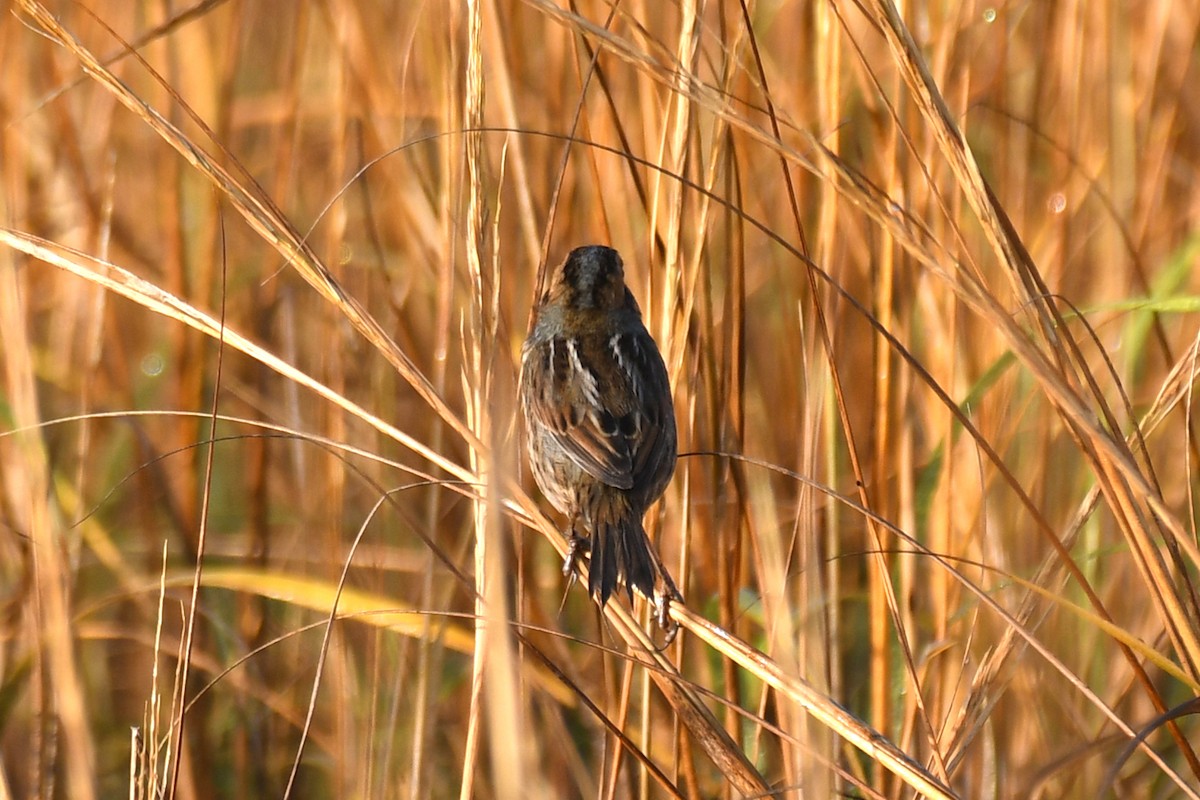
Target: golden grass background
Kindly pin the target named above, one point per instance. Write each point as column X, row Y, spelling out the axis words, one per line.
column 925, row 287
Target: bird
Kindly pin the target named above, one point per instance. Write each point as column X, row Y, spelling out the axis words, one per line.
column 600, row 424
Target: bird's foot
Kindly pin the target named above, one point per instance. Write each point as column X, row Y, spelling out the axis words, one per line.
column 662, row 608
column 577, row 546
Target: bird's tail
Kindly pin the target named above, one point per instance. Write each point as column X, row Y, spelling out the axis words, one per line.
column 620, row 552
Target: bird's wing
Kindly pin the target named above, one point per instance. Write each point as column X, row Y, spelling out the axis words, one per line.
column 573, row 397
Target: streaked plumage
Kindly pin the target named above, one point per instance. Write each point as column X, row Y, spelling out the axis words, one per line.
column 599, row 421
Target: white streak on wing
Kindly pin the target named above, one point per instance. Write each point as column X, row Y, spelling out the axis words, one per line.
column 614, row 344
column 627, row 367
column 587, row 380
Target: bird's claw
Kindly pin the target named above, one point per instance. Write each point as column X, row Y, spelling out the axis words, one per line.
column 578, row 544
column 662, row 606
column 662, row 611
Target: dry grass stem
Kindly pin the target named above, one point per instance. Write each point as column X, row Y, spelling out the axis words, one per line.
column 924, row 279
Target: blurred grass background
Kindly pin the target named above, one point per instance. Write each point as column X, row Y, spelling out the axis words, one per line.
column 965, row 510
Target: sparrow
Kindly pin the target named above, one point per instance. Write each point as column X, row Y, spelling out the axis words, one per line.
column 600, row 424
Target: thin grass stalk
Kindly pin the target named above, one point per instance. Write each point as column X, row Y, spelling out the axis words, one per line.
column 487, row 633
column 494, row 653
column 63, row 712
column 674, row 291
